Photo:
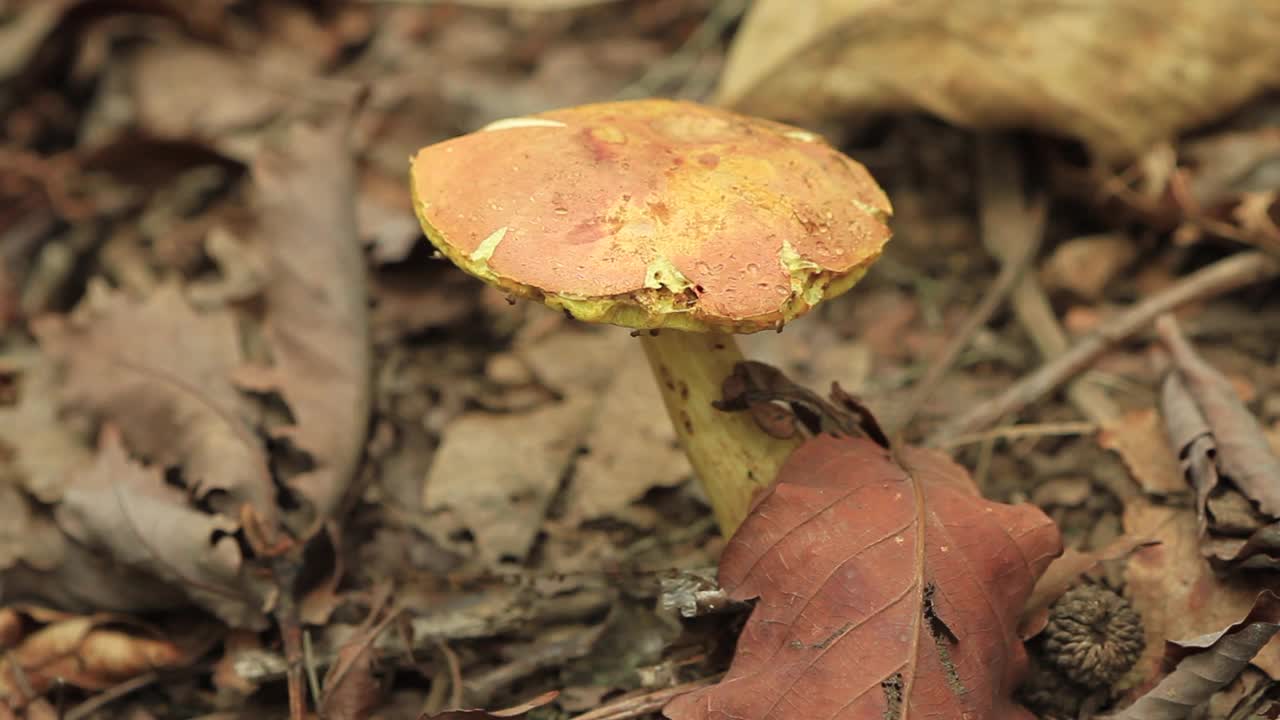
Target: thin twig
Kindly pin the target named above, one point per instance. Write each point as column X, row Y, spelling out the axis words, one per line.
column 722, row 15
column 1003, row 231
column 634, row 706
column 110, row 695
column 454, row 666
column 481, row 688
column 287, row 618
column 1000, row 176
column 1025, row 430
column 1237, row 271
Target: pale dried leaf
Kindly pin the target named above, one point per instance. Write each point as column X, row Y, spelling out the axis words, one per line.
column 1120, row 75
column 146, row 524
column 42, row 447
column 86, row 580
column 228, row 105
column 162, row 373
column 1139, row 439
column 494, row 476
column 316, row 304
column 632, row 447
column 1174, row 589
column 27, row 533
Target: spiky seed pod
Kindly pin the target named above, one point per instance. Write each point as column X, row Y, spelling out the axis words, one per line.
column 1050, row 695
column 1094, row 636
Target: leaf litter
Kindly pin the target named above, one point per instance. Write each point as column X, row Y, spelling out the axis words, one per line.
column 123, row 185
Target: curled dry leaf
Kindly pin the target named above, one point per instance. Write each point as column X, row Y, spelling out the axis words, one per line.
column 1243, row 454
column 1192, row 441
column 1120, row 75
column 886, row 590
column 147, row 524
column 1175, row 590
column 757, row 386
column 316, row 304
column 91, row 652
column 1208, row 663
column 1218, row 438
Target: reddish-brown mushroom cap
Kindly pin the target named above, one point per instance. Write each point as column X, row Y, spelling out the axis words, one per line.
column 654, row 213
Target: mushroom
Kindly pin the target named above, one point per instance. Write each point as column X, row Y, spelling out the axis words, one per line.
column 685, row 222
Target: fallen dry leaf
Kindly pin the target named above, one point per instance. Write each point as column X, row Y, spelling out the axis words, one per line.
column 147, row 524
column 162, row 373
column 1121, row 76
column 1218, row 438
column 41, row 446
column 228, row 107
column 1175, row 590
column 632, row 447
column 1085, row 265
column 1209, row 663
column 1190, row 438
column 1243, row 454
column 316, row 306
column 27, row 533
column 1139, row 439
column 351, row 691
column 92, row 652
column 885, row 592
column 494, row 476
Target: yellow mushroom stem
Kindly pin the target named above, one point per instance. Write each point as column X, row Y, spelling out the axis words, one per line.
column 731, row 456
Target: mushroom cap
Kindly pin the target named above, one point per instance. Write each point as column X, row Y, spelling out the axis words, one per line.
column 653, row 214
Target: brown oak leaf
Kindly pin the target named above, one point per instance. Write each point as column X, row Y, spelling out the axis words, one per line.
column 316, row 302
column 886, row 590
column 161, row 373
column 148, row 525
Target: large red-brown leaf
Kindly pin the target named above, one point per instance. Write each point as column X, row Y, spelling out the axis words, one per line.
column 885, row 592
